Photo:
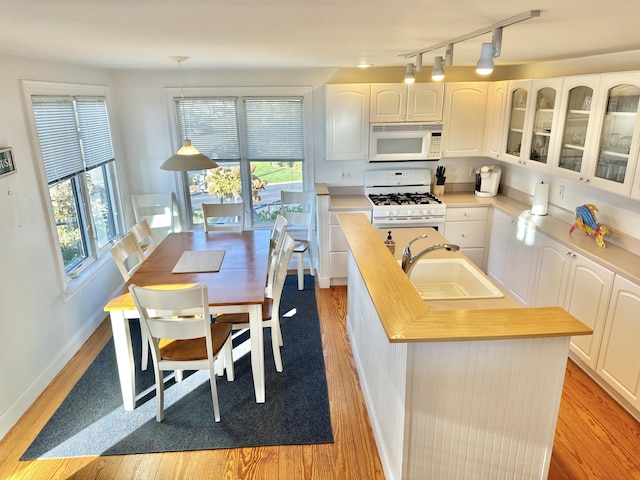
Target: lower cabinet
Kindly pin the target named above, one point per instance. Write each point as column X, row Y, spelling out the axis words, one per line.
column 619, row 360
column 579, row 285
column 338, row 247
column 513, row 253
column 467, row 228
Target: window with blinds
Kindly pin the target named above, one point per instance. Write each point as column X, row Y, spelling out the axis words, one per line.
column 258, row 143
column 79, row 164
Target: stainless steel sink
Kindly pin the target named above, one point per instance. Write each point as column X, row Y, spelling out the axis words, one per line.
column 451, row 279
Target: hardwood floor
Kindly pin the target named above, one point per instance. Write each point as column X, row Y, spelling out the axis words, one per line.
column 595, row 438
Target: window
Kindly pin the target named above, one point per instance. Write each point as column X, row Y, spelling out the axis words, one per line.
column 74, row 137
column 258, row 143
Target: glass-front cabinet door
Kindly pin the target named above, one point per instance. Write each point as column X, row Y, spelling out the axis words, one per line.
column 576, row 126
column 543, row 132
column 615, row 156
column 516, row 141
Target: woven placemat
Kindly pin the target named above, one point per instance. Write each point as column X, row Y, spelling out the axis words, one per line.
column 199, row 261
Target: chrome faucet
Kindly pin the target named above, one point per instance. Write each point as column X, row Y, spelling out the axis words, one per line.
column 408, row 261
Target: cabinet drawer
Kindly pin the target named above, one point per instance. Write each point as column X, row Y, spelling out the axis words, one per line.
column 465, row 214
column 333, row 216
column 337, row 240
column 466, row 234
column 338, row 264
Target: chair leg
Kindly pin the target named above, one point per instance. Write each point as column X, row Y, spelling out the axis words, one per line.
column 227, row 358
column 214, row 393
column 275, row 344
column 311, row 264
column 300, row 256
column 159, row 395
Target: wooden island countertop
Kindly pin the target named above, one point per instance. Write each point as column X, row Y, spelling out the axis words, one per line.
column 405, row 317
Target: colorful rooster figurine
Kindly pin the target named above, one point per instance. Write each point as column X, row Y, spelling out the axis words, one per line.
column 586, row 221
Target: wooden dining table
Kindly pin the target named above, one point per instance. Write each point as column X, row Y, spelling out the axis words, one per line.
column 238, row 286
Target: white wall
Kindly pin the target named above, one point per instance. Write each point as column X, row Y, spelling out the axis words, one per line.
column 39, row 330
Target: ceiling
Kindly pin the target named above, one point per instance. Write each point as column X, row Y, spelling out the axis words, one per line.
column 256, row 34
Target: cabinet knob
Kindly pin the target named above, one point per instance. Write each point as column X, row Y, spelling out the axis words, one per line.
column 466, row 214
column 464, row 235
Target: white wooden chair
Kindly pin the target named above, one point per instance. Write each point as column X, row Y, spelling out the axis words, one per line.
column 225, row 216
column 182, row 337
column 160, row 210
column 299, row 210
column 277, row 238
column 128, row 255
column 271, row 306
column 144, row 235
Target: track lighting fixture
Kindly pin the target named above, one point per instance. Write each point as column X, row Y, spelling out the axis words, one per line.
column 489, row 50
column 437, row 73
column 409, row 76
column 188, row 158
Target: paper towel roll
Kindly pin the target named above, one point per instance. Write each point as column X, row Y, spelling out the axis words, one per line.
column 540, row 199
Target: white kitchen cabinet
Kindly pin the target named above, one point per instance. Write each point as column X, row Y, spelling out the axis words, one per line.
column 513, row 253
column 401, row 102
column 588, row 293
column 619, row 360
column 464, row 117
column 467, row 228
column 338, row 248
column 612, row 161
column 347, row 121
column 577, row 127
column 518, row 103
column 541, row 123
column 494, row 118
column 582, row 287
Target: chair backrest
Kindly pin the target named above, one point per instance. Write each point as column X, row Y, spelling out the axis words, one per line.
column 281, row 271
column 173, row 314
column 144, row 236
column 277, row 238
column 128, row 255
column 299, row 210
column 223, row 216
column 159, row 209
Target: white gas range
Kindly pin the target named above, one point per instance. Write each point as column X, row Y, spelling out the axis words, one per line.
column 402, row 198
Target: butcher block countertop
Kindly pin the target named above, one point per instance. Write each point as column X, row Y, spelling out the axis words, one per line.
column 405, row 317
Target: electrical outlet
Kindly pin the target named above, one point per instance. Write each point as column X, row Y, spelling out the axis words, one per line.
column 472, row 171
column 561, row 192
column 345, row 174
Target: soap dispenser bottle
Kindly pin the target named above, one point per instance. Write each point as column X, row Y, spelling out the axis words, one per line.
column 391, row 245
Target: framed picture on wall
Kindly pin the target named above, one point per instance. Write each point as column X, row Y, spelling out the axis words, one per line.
column 6, row 162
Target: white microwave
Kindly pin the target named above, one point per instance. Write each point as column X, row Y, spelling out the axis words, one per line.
column 393, row 142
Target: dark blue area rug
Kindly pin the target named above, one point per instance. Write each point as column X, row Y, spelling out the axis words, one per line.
column 92, row 421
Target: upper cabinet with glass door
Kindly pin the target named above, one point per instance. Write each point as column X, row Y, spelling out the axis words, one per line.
column 542, row 130
column 516, row 141
column 615, row 156
column 576, row 125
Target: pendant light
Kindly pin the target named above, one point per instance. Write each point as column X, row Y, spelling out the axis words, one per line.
column 188, row 158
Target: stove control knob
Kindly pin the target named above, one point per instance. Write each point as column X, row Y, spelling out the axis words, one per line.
column 393, row 213
column 432, row 212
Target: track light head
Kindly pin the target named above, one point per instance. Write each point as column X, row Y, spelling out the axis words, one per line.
column 437, row 74
column 409, row 76
column 485, row 64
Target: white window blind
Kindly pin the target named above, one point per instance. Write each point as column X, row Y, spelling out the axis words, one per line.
column 74, row 134
column 95, row 134
column 58, row 134
column 274, row 129
column 212, row 126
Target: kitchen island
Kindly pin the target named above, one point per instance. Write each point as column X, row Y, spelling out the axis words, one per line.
column 453, row 391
